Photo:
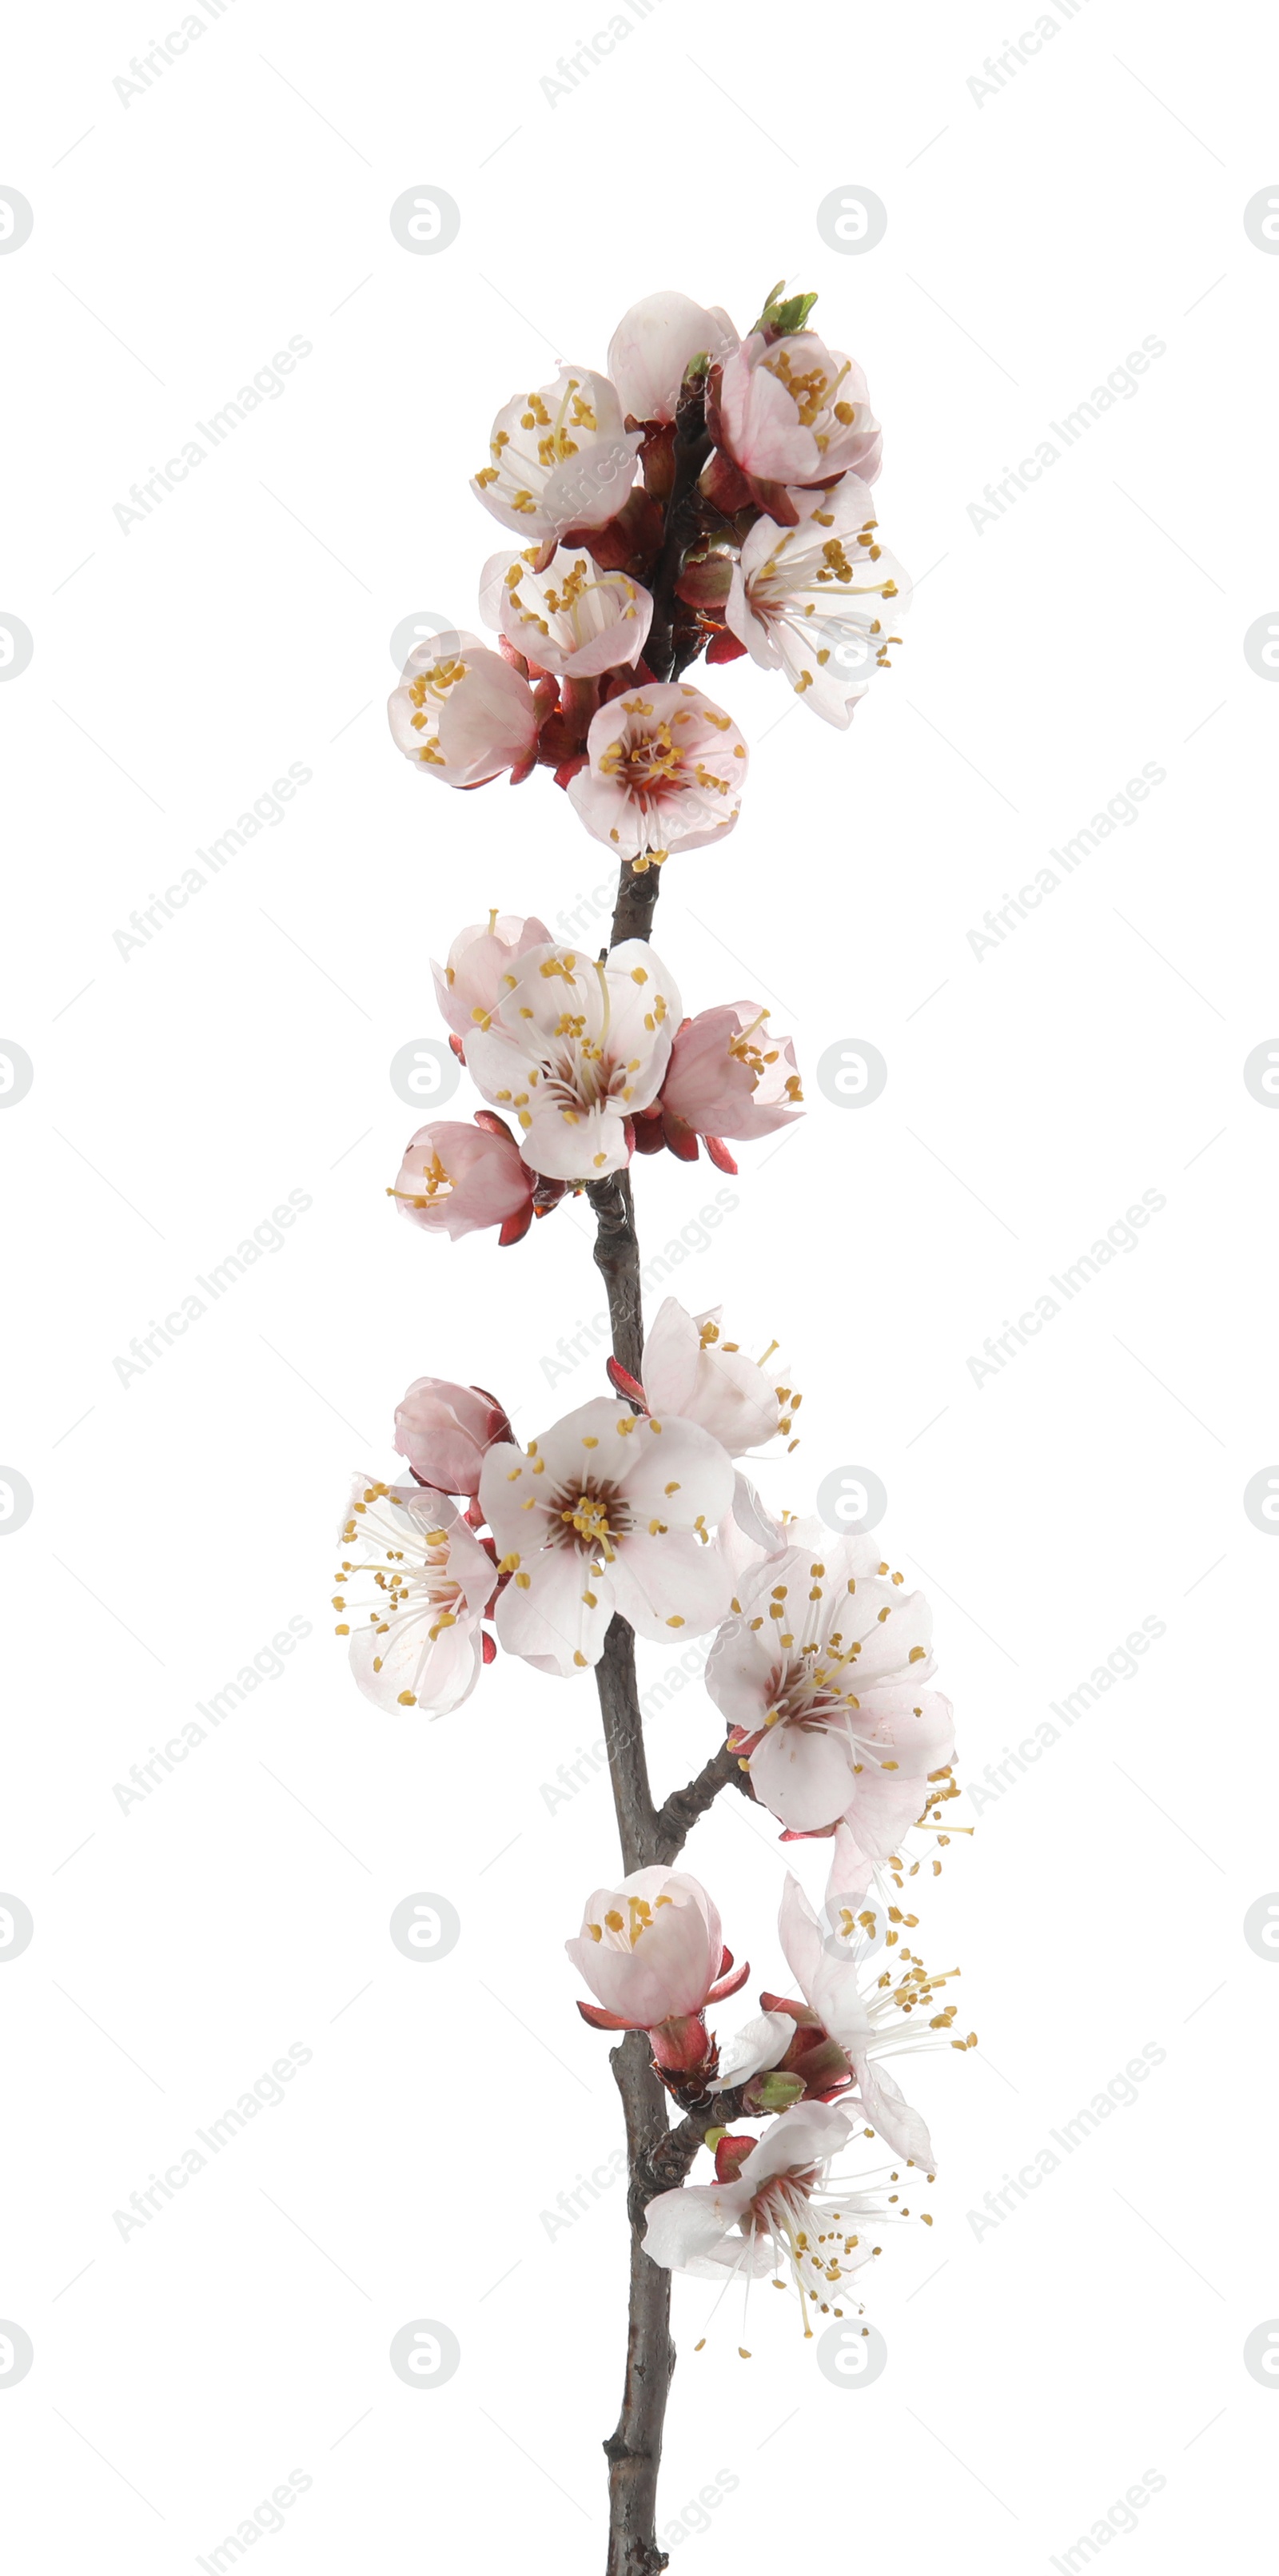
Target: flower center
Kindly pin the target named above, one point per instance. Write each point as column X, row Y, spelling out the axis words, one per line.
column 429, row 1588
column 648, row 765
column 437, row 1184
column 592, row 1518
column 805, row 1694
column 627, row 1928
column 589, row 1517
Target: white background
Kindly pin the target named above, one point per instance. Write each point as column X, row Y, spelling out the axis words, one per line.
column 1036, row 235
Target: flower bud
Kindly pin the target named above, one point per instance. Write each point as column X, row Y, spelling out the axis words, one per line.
column 457, row 1179
column 445, row 1430
column 727, row 1077
column 772, row 2092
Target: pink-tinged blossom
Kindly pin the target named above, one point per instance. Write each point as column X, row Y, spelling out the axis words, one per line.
column 420, row 1581
column 773, row 2209
column 691, row 1370
column 820, row 600
column 578, row 1046
column 793, row 411
column 461, row 713
column 445, row 1432
column 457, row 1180
column 665, row 771
column 651, row 1950
column 869, row 2018
column 559, row 458
column 479, row 969
column 728, row 1077
column 655, row 343
column 818, row 1673
column 570, row 618
column 608, row 1511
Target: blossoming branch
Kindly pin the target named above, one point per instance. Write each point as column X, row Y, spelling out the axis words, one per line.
column 705, row 498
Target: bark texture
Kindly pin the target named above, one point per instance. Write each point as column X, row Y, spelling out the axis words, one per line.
column 659, row 2155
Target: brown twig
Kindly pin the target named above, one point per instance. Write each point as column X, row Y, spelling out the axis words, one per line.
column 637, row 1819
column 634, row 2450
column 617, row 1259
column 666, row 2165
column 636, row 901
column 669, row 647
column 658, row 2156
column 676, row 1818
column 683, row 518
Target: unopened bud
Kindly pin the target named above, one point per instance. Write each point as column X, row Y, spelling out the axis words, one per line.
column 706, row 579
column 772, row 2091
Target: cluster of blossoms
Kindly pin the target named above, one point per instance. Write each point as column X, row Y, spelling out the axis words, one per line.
column 651, row 1951
column 632, row 1503
column 709, row 495
column 585, row 1061
column 636, row 1505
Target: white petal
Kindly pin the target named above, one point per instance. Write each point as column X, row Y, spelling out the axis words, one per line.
column 801, row 1937
column 549, row 1620
column 759, row 2044
column 585, row 1146
column 509, row 1481
column 888, row 2111
column 671, row 1349
column 804, row 1776
column 737, row 1671
column 686, row 2229
column 586, row 1434
column 665, row 1453
column 439, row 1673
column 809, row 2135
column 672, row 1586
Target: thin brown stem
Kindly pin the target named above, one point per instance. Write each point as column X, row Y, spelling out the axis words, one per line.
column 637, row 1818
column 636, row 902
column 658, row 2156
column 617, row 1259
column 675, row 1819
column 667, row 2164
column 691, row 449
column 634, row 2449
